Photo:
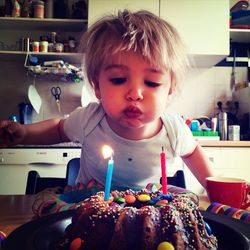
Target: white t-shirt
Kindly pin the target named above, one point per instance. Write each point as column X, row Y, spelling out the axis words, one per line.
column 136, row 162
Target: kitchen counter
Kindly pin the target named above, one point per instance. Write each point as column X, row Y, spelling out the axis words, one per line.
column 224, row 143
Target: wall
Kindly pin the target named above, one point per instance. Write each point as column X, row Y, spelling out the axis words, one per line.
column 14, row 90
column 202, row 89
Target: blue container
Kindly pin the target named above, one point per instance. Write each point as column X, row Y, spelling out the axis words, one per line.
column 25, row 113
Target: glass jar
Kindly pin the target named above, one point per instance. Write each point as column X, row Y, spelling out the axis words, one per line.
column 59, row 47
column 39, row 9
column 53, row 37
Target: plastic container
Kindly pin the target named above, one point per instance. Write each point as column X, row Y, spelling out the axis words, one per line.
column 33, row 60
column 44, row 46
column 25, row 113
column 35, row 46
column 234, row 133
column 39, row 9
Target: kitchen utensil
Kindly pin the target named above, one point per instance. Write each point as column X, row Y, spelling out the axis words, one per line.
column 34, row 97
column 232, row 82
column 222, row 118
column 219, row 104
column 56, row 92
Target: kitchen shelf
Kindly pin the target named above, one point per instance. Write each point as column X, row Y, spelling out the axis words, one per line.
column 60, row 69
column 74, row 58
column 240, row 35
column 45, row 24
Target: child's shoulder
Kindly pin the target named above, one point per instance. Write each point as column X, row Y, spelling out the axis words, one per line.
column 172, row 119
column 91, row 110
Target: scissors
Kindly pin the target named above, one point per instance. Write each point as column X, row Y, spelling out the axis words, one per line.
column 56, row 92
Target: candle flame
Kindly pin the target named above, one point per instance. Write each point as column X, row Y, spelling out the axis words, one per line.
column 107, row 152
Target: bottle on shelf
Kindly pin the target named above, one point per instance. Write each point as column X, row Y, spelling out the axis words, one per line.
column 49, row 9
column 16, row 11
column 26, row 8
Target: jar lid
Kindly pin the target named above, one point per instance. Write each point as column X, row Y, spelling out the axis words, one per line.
column 38, row 3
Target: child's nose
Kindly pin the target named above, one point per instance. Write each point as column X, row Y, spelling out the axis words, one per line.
column 134, row 94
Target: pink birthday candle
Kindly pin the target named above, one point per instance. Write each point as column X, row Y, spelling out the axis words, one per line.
column 163, row 172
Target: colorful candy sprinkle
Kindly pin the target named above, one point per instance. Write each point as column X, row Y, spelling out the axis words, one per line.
column 160, row 205
column 119, row 199
column 208, row 228
column 165, row 202
column 129, row 199
column 165, row 246
column 143, row 197
column 166, row 196
column 114, row 204
column 76, row 244
column 153, row 200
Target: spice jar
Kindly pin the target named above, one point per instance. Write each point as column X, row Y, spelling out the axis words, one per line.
column 44, row 46
column 59, row 47
column 35, row 46
column 39, row 9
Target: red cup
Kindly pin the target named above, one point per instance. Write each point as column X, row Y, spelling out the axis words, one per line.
column 228, row 191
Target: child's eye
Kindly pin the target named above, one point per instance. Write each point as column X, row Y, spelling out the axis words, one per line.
column 117, row 80
column 152, row 84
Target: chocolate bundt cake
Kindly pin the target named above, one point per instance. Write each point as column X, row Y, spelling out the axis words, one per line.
column 138, row 220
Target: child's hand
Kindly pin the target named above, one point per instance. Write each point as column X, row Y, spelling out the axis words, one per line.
column 11, row 133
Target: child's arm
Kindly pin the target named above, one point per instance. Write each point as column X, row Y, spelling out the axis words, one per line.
column 45, row 132
column 199, row 165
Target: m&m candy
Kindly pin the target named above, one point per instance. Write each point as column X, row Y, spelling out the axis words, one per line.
column 165, row 245
column 76, row 244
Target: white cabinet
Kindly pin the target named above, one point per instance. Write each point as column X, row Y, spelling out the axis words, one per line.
column 99, row 8
column 225, row 161
column 203, row 25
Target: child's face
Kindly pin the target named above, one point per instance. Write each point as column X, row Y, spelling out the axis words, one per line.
column 134, row 94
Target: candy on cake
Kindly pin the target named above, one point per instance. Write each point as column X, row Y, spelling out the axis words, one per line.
column 138, row 220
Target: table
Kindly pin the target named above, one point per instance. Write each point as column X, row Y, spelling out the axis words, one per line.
column 16, row 210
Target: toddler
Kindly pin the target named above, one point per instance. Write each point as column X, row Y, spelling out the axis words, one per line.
column 135, row 62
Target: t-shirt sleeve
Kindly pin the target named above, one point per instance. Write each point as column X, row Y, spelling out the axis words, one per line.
column 180, row 135
column 80, row 120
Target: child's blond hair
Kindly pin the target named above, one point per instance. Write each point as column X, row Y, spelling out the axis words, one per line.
column 154, row 39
